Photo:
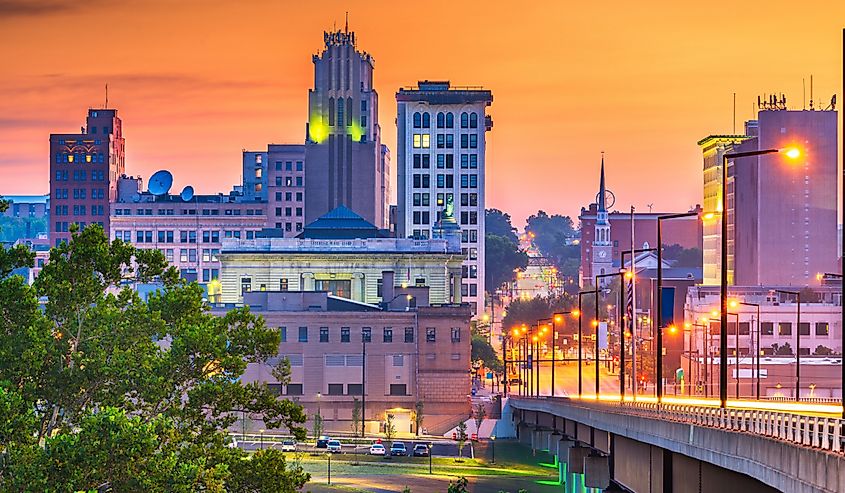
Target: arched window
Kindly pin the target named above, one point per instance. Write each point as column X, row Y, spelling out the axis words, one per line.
column 450, row 120
column 464, row 120
column 348, row 112
column 441, row 120
column 331, row 112
column 426, row 120
column 473, row 120
column 340, row 109
column 417, row 120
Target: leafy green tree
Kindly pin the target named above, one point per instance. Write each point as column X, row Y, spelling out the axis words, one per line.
column 529, row 311
column 14, row 228
column 502, row 257
column 356, row 416
column 153, row 385
column 480, row 412
column 390, row 428
column 461, row 437
column 482, row 351
column 461, row 485
column 317, row 425
column 419, row 407
column 823, row 351
column 683, row 257
column 498, row 223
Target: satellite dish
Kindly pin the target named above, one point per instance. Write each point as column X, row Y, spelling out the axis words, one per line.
column 187, row 193
column 160, row 182
column 136, row 197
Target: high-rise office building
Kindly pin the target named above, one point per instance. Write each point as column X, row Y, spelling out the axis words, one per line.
column 441, row 163
column 276, row 177
column 84, row 169
column 347, row 163
column 781, row 212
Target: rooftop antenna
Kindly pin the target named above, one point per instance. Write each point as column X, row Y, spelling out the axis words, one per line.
column 346, row 28
column 650, row 207
column 811, row 92
column 107, row 96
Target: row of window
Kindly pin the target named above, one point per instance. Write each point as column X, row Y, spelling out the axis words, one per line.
column 444, row 120
column 79, row 157
column 423, row 199
column 289, row 226
column 79, row 193
column 345, row 334
column 289, row 165
column 168, row 236
column 289, row 211
column 189, row 212
column 445, row 161
column 785, row 328
column 289, row 196
column 64, row 227
column 469, row 290
column 467, row 235
column 80, row 210
column 80, row 175
column 423, row 141
column 443, row 180
column 286, row 181
column 396, row 389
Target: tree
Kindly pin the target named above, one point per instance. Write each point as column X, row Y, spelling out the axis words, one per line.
column 823, row 351
column 529, row 311
column 459, row 486
column 461, row 437
column 502, row 257
column 482, row 351
column 418, row 416
column 498, row 223
column 682, row 257
column 389, row 428
column 317, row 425
column 551, row 235
column 356, row 416
column 111, row 389
column 479, row 415
column 784, row 350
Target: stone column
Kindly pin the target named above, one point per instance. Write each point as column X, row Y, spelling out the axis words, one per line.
column 358, row 287
column 308, row 281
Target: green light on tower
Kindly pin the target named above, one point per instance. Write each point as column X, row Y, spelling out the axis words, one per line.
column 318, row 131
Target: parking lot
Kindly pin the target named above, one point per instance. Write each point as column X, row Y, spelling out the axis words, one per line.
column 439, row 447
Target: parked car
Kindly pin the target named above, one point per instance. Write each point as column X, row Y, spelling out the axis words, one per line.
column 420, row 450
column 323, row 441
column 288, row 446
column 398, row 448
column 377, row 449
column 333, row 446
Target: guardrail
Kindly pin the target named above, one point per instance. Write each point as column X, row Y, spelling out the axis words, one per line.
column 807, row 431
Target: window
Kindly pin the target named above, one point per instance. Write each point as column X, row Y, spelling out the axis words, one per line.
column 344, row 334
column 804, row 328
column 785, row 328
column 324, row 334
column 744, row 328
column 417, row 119
column 450, row 120
column 354, row 389
column 767, row 328
column 335, row 389
column 366, row 334
column 275, row 388
column 464, row 120
column 246, row 282
column 473, row 120
column 430, row 334
column 398, row 360
column 388, row 335
column 822, row 329
column 397, row 389
column 422, row 141
column 283, row 333
column 409, row 334
column 283, row 284
column 303, row 334
column 426, row 120
column 294, row 389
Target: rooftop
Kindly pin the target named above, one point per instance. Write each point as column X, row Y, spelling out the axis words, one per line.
column 442, row 92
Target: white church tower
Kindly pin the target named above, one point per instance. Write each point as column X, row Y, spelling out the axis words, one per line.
column 602, row 262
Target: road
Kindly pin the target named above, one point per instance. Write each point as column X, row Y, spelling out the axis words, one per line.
column 440, row 448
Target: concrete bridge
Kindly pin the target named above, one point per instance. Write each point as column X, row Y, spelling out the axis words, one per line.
column 676, row 448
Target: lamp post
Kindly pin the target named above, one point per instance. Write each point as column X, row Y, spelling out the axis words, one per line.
column 261, row 435
column 658, row 368
column 704, row 346
column 797, row 342
column 633, row 317
column 757, row 350
column 581, row 335
column 622, row 276
column 556, row 317
column 430, row 447
column 723, row 293
column 492, row 448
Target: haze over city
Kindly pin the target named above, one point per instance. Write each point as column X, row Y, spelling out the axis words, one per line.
column 197, row 82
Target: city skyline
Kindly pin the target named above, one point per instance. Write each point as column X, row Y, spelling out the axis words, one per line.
column 194, row 90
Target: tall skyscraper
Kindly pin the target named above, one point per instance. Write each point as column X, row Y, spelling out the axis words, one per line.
column 347, row 164
column 84, row 169
column 781, row 212
column 441, row 163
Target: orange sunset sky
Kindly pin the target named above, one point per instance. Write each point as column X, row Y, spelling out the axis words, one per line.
column 197, row 81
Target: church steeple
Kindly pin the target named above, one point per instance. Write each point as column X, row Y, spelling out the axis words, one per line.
column 601, row 203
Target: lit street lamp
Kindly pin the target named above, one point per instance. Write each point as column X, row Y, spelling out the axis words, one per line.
column 723, row 294
column 797, row 342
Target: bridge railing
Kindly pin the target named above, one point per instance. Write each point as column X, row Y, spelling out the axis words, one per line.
column 820, row 432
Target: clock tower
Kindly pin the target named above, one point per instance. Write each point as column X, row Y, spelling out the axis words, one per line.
column 602, row 261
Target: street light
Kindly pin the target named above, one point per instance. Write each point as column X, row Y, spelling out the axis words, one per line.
column 723, row 294
column 261, row 435
column 660, row 322
column 757, row 351
column 581, row 334
column 797, row 342
column 633, row 318
column 492, row 448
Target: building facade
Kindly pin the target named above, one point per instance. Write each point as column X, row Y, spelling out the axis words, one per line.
column 348, row 165
column 276, row 177
column 388, row 358
column 343, row 254
column 441, row 146
column 84, row 169
column 781, row 212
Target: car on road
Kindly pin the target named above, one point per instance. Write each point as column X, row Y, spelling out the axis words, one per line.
column 420, row 450
column 333, row 446
column 323, row 441
column 288, row 446
column 377, row 449
column 398, row 448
